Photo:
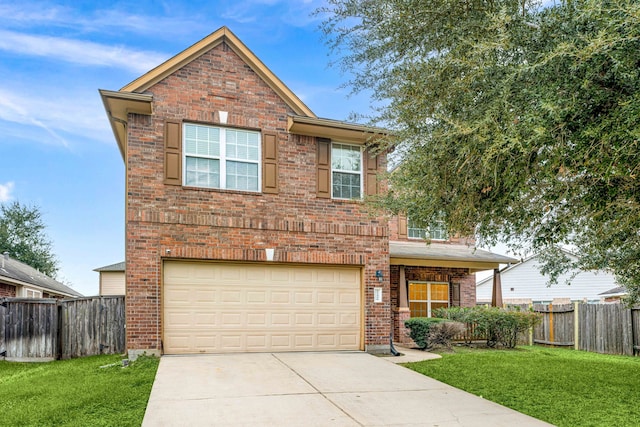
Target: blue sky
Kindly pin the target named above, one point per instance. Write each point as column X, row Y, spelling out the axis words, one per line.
column 57, row 150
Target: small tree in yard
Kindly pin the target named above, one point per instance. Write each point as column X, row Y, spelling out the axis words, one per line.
column 22, row 235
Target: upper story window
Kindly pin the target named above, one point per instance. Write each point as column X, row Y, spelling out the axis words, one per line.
column 346, row 171
column 218, row 157
column 436, row 231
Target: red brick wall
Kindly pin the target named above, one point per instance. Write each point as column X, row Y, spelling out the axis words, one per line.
column 7, row 291
column 460, row 276
column 165, row 221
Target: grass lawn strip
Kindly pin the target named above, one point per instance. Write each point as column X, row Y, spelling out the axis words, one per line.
column 76, row 392
column 562, row 387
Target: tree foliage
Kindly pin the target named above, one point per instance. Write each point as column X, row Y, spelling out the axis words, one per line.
column 22, row 235
column 515, row 122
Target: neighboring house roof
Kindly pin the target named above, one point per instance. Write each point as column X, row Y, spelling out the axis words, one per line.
column 118, row 266
column 18, row 273
column 525, row 281
column 618, row 291
column 444, row 255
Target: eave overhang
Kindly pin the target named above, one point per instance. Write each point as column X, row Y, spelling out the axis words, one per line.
column 16, row 282
column 118, row 105
column 421, row 254
column 334, row 129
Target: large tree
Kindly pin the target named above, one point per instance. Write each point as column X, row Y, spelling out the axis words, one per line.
column 515, row 121
column 22, row 235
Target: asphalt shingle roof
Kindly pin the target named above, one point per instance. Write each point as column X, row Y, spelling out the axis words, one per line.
column 439, row 251
column 118, row 266
column 18, row 271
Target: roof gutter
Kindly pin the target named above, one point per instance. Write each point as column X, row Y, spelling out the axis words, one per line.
column 334, row 129
column 118, row 105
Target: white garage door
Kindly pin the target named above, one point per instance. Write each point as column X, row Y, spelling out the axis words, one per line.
column 220, row 308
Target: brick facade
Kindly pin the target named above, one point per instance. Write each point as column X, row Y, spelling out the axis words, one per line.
column 173, row 222
column 7, row 291
column 460, row 281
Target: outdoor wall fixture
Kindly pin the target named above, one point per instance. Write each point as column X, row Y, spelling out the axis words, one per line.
column 379, row 275
column 269, row 253
column 223, row 117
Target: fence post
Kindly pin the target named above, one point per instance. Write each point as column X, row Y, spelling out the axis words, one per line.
column 576, row 325
column 551, row 331
column 531, row 328
column 626, row 324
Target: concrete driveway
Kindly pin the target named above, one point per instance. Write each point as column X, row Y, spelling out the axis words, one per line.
column 311, row 389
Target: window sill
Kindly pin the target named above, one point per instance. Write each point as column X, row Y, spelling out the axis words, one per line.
column 223, row 190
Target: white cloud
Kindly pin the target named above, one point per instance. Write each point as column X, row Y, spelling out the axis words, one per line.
column 5, row 191
column 56, row 114
column 39, row 14
column 16, row 111
column 80, row 52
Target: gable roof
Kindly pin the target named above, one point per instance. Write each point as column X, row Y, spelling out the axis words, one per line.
column 221, row 35
column 18, row 273
column 132, row 99
column 118, row 266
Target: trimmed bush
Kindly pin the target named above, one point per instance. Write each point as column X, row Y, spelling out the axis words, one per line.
column 419, row 329
column 496, row 325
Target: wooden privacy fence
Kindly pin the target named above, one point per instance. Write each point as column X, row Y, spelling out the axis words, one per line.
column 48, row 329
column 600, row 328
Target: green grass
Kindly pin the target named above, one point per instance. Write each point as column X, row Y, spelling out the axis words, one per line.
column 562, row 387
column 75, row 392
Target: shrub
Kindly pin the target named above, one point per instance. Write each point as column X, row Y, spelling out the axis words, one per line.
column 419, row 329
column 441, row 334
column 495, row 324
column 465, row 315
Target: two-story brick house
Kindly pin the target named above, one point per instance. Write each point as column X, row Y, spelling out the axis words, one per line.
column 245, row 226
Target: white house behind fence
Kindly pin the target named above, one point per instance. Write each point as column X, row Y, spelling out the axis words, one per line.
column 524, row 283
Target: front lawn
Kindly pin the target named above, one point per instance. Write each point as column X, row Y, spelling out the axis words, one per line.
column 76, row 392
column 562, row 387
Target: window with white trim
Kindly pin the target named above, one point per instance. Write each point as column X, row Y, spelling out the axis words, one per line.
column 219, row 157
column 425, row 297
column 436, row 231
column 32, row 293
column 346, row 171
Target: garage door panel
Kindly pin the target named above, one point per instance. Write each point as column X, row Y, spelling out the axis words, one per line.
column 350, row 298
column 231, row 342
column 256, row 297
column 303, row 297
column 348, row 319
column 237, row 308
column 231, row 296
